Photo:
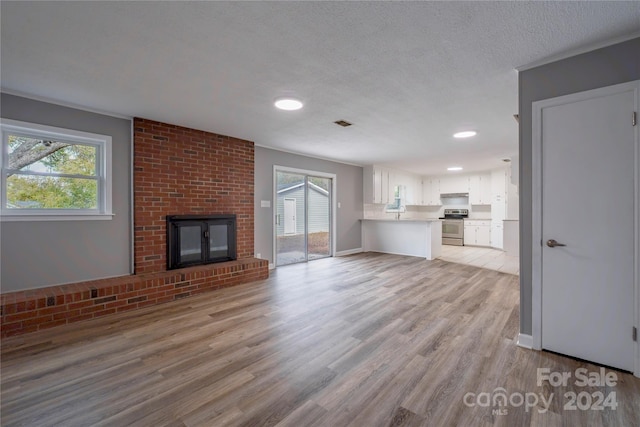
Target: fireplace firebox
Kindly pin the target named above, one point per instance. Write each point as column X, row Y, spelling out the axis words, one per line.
column 200, row 239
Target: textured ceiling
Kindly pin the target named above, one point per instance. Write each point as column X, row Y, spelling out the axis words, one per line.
column 406, row 74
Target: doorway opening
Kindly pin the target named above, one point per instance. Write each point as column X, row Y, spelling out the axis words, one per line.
column 304, row 215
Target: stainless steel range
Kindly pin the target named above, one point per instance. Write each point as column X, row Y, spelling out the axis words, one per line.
column 453, row 226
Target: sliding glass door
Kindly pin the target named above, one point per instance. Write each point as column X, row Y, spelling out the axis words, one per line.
column 318, row 217
column 303, row 216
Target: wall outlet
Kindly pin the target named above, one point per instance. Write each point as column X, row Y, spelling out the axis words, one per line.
column 258, row 255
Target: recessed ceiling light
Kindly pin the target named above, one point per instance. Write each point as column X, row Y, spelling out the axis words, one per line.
column 465, row 134
column 455, row 168
column 288, row 104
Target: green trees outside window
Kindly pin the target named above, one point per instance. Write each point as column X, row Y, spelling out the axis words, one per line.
column 45, row 174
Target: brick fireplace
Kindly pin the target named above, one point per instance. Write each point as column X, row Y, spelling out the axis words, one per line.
column 177, row 171
column 180, row 171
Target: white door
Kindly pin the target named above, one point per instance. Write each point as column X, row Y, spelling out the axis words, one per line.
column 588, row 192
column 289, row 216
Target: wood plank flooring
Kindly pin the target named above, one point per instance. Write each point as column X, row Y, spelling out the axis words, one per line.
column 363, row 340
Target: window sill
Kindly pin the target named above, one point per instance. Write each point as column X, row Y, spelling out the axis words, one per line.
column 53, row 217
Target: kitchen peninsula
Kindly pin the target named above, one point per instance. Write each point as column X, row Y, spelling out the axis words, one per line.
column 413, row 237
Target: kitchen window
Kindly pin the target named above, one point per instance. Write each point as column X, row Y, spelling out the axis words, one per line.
column 51, row 173
column 398, row 200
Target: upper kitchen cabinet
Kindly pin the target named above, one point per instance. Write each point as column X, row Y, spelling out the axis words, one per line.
column 375, row 184
column 380, row 185
column 498, row 194
column 504, row 195
column 411, row 185
column 480, row 189
column 454, row 184
column 431, row 192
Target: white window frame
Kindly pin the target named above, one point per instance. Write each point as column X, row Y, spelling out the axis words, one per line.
column 103, row 172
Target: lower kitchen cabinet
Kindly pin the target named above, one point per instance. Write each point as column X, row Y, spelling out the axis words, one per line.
column 496, row 234
column 477, row 233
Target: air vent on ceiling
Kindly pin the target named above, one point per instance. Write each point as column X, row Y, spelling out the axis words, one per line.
column 342, row 123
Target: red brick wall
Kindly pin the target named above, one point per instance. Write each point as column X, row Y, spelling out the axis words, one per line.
column 181, row 171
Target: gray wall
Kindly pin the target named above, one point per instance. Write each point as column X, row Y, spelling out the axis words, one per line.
column 599, row 68
column 349, row 195
column 37, row 254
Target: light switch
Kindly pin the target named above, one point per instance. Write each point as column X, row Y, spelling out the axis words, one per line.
column 265, row 203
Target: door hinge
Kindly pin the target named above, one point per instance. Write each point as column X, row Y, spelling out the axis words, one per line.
column 635, row 333
column 634, row 119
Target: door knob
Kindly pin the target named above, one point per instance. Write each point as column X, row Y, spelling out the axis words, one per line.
column 552, row 243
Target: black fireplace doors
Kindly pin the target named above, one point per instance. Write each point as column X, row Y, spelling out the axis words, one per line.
column 200, row 239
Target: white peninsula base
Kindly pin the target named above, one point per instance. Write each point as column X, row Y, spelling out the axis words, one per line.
column 421, row 238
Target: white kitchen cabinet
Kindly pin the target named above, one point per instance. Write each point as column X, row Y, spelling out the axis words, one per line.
column 370, row 181
column 477, row 232
column 376, row 186
column 498, row 194
column 372, row 184
column 480, row 189
column 497, row 233
column 431, row 192
column 504, row 199
column 412, row 187
column 380, row 183
column 469, row 234
column 446, row 184
column 454, row 184
column 413, row 196
column 483, row 235
column 387, row 190
column 511, row 237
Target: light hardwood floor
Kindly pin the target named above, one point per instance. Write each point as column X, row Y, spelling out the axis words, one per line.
column 364, row 340
column 493, row 259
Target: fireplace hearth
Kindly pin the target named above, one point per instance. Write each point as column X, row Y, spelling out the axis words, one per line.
column 200, row 239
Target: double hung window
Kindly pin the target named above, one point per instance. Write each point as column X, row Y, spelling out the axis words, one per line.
column 53, row 173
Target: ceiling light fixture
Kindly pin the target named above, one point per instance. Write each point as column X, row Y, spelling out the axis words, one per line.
column 465, row 134
column 455, row 168
column 288, row 104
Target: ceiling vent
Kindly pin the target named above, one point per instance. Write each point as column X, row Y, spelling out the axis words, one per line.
column 342, row 123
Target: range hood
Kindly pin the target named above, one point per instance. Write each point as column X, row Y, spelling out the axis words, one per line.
column 453, row 195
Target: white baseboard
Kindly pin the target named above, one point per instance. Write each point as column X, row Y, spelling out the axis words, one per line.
column 524, row 341
column 349, row 252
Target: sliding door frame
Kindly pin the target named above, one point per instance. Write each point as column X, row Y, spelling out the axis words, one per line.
column 332, row 201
